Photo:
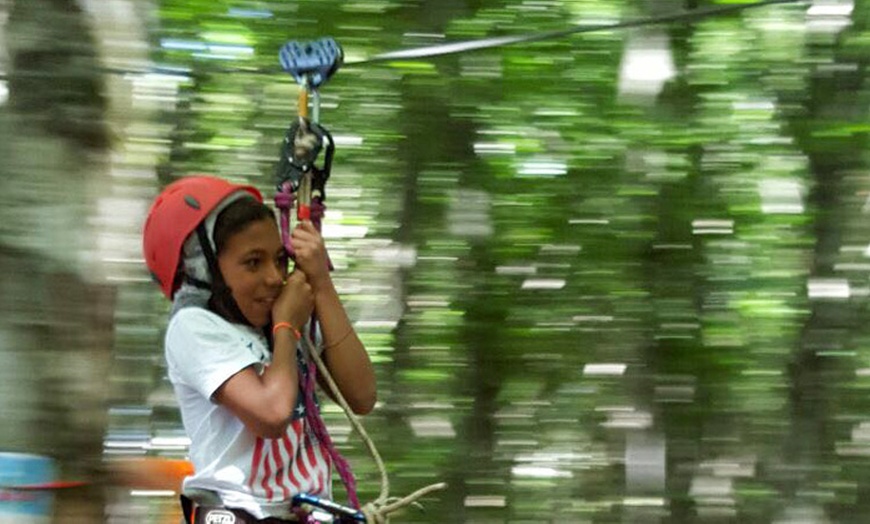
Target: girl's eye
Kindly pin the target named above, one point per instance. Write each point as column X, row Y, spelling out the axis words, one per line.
column 252, row 263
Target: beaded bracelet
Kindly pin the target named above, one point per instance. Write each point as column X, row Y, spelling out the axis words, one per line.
column 289, row 326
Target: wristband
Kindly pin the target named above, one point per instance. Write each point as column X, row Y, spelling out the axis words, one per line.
column 289, row 326
column 339, row 341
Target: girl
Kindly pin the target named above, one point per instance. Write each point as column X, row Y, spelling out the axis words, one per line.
column 232, row 344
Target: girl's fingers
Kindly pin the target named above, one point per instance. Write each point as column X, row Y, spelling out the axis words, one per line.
column 304, row 240
column 306, row 229
column 309, row 247
column 305, row 249
column 306, row 225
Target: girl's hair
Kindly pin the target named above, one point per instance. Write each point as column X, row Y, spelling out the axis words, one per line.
column 236, row 217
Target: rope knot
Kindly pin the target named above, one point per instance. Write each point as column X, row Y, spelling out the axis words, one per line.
column 373, row 515
column 378, row 511
column 284, row 200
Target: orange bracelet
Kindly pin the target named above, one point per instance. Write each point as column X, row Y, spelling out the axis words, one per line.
column 289, row 326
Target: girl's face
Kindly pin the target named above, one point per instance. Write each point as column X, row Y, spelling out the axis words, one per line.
column 254, row 265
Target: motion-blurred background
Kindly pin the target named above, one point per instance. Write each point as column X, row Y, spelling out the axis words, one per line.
column 620, row 276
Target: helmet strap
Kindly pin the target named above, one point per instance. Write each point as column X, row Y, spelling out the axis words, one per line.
column 221, row 300
column 195, row 282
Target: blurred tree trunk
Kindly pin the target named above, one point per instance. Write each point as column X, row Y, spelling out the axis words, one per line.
column 55, row 311
column 427, row 113
column 836, row 97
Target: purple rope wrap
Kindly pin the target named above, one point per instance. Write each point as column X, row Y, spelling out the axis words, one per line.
column 318, row 208
column 285, row 199
column 312, row 415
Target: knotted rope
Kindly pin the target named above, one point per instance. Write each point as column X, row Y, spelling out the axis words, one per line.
column 377, row 511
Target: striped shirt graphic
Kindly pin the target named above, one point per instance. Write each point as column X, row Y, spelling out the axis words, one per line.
column 295, row 463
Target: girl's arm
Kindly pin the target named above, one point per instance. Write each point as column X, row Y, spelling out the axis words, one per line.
column 344, row 354
column 265, row 403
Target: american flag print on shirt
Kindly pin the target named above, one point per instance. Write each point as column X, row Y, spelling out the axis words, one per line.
column 295, row 463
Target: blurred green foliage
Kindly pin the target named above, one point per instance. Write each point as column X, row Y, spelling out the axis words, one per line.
column 558, row 220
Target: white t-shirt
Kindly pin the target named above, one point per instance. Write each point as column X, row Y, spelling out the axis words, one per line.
column 259, row 475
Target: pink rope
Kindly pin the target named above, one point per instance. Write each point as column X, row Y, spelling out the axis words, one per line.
column 312, row 414
column 285, row 199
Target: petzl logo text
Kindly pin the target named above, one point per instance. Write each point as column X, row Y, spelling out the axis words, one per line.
column 219, row 516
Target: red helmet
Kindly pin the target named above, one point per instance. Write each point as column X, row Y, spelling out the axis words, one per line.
column 175, row 213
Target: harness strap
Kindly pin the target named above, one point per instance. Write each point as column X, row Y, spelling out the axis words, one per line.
column 187, row 509
column 195, row 513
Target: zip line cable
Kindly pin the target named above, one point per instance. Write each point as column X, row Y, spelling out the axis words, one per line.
column 467, row 46
column 490, row 43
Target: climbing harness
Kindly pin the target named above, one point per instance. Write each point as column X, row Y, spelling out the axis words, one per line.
column 301, row 184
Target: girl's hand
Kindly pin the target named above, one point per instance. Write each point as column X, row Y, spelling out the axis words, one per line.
column 311, row 254
column 296, row 301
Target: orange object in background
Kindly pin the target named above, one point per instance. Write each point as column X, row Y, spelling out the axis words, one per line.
column 151, row 474
column 156, row 473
